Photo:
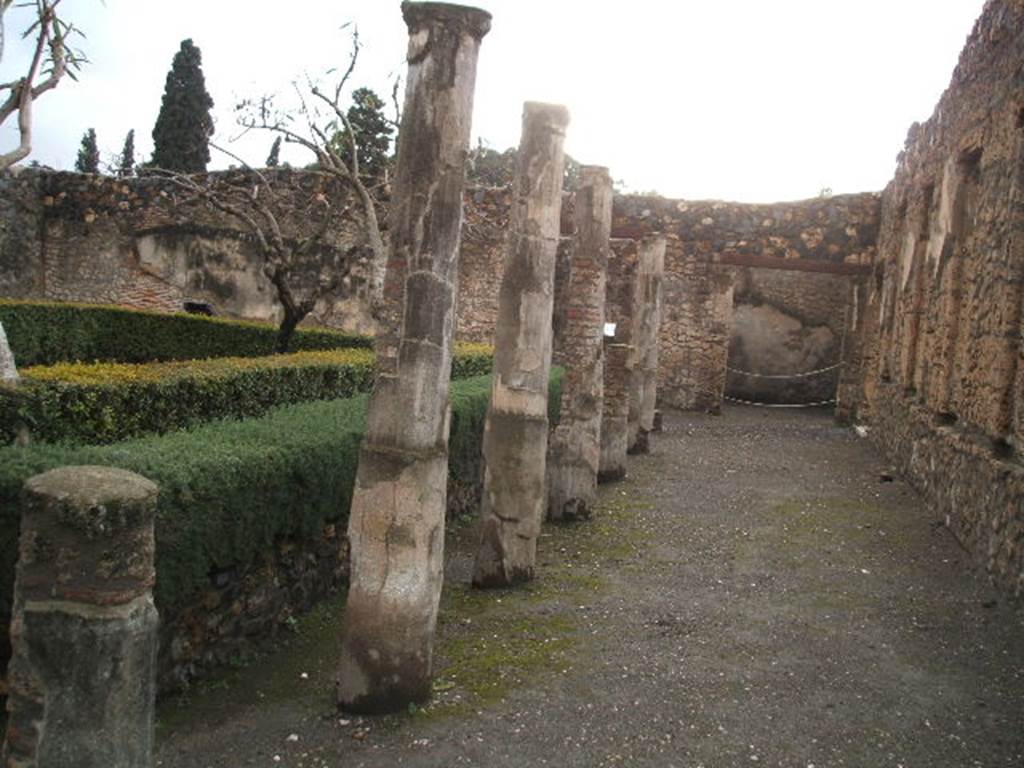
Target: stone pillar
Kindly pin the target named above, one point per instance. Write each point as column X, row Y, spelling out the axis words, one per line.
column 615, row 411
column 8, row 370
column 647, row 331
column 620, row 365
column 516, row 431
column 563, row 270
column 575, row 445
column 82, row 675
column 396, row 524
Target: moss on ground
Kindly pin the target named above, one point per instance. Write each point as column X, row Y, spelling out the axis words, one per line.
column 488, row 644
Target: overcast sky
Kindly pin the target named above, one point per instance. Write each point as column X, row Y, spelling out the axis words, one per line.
column 751, row 100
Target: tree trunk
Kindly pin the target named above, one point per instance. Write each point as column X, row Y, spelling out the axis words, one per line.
column 286, row 330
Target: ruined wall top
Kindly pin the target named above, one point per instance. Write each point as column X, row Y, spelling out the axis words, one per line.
column 151, row 203
column 840, row 230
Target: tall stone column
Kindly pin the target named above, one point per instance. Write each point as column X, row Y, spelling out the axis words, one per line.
column 82, row 675
column 8, row 370
column 615, row 411
column 563, row 270
column 620, row 364
column 516, row 431
column 396, row 524
column 647, row 325
column 575, row 446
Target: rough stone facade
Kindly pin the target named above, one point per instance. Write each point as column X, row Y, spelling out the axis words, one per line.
column 708, row 242
column 719, row 255
column 936, row 333
column 75, row 237
column 90, row 238
column 786, row 323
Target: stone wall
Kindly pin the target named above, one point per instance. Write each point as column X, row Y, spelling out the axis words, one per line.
column 718, row 251
column 481, row 262
column 786, row 323
column 937, row 330
column 67, row 236
column 715, row 250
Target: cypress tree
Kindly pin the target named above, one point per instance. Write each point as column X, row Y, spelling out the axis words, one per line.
column 182, row 132
column 274, row 158
column 126, row 166
column 372, row 131
column 88, row 154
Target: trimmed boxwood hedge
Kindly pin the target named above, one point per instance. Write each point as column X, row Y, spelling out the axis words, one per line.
column 229, row 488
column 98, row 403
column 47, row 332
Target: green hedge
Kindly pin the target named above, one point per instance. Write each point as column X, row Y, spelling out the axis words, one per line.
column 44, row 333
column 228, row 489
column 100, row 403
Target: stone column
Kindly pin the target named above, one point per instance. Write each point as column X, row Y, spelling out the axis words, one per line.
column 615, row 411
column 644, row 396
column 563, row 270
column 396, row 524
column 8, row 370
column 574, row 449
column 620, row 364
column 516, row 431
column 82, row 675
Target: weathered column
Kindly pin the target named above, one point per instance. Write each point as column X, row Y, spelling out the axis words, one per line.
column 620, row 364
column 615, row 411
column 396, row 524
column 574, row 449
column 516, row 431
column 82, row 675
column 563, row 270
column 8, row 370
column 643, row 398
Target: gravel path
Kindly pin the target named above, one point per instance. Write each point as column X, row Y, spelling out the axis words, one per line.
column 756, row 592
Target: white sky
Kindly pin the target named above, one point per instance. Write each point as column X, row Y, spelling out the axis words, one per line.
column 750, row 100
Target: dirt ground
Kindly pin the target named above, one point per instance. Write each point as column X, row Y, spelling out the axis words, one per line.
column 757, row 592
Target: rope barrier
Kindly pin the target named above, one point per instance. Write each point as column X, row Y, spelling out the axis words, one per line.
column 781, row 405
column 753, row 375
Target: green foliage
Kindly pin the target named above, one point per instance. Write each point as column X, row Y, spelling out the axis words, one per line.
column 88, row 154
column 104, row 403
column 472, row 360
column 487, row 167
column 228, row 489
column 274, row 158
column 183, row 128
column 44, row 333
column 372, row 133
column 126, row 165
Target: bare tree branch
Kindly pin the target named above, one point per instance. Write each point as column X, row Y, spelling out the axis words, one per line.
column 257, row 207
column 322, row 111
column 394, row 101
column 51, row 38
